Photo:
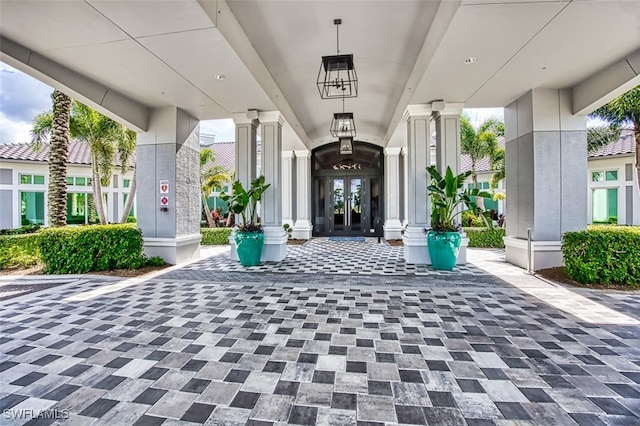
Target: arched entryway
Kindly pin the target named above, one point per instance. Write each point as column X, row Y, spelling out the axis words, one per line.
column 348, row 197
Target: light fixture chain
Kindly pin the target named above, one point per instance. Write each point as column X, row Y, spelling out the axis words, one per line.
column 338, row 38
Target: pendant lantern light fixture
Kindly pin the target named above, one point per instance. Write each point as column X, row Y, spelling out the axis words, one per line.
column 337, row 76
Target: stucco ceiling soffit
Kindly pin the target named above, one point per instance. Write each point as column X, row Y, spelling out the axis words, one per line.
column 444, row 15
column 235, row 35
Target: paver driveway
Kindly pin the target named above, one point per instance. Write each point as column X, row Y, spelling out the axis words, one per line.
column 174, row 351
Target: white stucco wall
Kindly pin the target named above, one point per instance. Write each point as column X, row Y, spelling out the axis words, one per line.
column 115, row 197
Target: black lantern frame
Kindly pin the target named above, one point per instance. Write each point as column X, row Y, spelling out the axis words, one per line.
column 343, row 125
column 346, row 146
column 337, row 77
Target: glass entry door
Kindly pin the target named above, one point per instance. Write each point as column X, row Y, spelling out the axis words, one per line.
column 347, row 209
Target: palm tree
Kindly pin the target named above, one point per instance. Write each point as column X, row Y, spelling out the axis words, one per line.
column 105, row 137
column 624, row 111
column 479, row 144
column 599, row 136
column 126, row 149
column 211, row 175
column 57, row 127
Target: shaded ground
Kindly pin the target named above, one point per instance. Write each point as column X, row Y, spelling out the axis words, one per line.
column 559, row 275
column 394, row 243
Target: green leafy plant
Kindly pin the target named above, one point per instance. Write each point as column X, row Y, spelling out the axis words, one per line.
column 245, row 203
column 215, row 236
column 485, row 237
column 155, row 261
column 603, row 255
column 449, row 199
column 289, row 230
column 19, row 250
column 77, row 250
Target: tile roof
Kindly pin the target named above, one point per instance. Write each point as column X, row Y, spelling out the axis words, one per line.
column 625, row 145
column 225, row 153
column 79, row 153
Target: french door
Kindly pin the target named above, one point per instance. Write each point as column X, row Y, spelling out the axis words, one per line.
column 347, row 209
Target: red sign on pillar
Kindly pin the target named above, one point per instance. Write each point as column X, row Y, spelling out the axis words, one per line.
column 164, row 186
column 164, row 201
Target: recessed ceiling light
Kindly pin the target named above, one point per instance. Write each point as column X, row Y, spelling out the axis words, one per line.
column 470, row 60
column 220, row 77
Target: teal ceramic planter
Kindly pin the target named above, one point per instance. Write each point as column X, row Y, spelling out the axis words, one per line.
column 249, row 247
column 443, row 249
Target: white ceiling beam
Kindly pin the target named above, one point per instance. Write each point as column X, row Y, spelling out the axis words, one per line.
column 446, row 11
column 607, row 84
column 232, row 31
column 114, row 105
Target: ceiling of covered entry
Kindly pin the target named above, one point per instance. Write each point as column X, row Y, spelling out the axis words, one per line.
column 165, row 53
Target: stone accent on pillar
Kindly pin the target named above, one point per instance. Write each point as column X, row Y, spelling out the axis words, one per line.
column 392, row 224
column 302, row 229
column 419, row 205
column 287, row 187
column 275, row 237
column 546, row 176
column 169, row 150
column 447, row 123
column 246, row 132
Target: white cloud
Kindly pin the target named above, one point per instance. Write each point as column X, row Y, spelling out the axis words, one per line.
column 225, row 130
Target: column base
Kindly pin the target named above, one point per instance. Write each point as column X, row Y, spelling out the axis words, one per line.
column 173, row 250
column 416, row 249
column 544, row 254
column 302, row 230
column 275, row 244
column 393, row 230
column 415, row 246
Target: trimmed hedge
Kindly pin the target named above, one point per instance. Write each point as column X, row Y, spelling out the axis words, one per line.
column 77, row 250
column 215, row 236
column 26, row 229
column 485, row 237
column 603, row 255
column 19, row 250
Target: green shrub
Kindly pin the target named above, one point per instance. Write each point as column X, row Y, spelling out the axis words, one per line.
column 215, row 236
column 485, row 237
column 19, row 250
column 603, row 255
column 471, row 220
column 25, row 229
column 77, row 250
column 156, row 261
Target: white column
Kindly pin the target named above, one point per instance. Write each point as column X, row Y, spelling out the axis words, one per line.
column 405, row 188
column 546, row 176
column 447, row 123
column 419, row 206
column 246, row 132
column 287, row 187
column 392, row 224
column 275, row 237
column 169, row 150
column 302, row 228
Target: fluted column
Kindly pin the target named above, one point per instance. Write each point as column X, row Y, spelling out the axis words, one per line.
column 303, row 228
column 392, row 224
column 275, row 237
column 287, row 187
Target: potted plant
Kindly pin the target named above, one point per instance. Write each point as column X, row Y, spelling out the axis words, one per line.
column 448, row 200
column 249, row 236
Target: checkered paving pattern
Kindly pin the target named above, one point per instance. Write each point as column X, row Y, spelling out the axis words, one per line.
column 322, row 256
column 167, row 352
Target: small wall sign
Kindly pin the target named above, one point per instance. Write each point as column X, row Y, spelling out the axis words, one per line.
column 164, row 186
column 164, row 201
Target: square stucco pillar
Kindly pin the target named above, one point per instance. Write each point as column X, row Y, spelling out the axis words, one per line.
column 392, row 170
column 287, row 188
column 546, row 176
column 447, row 123
column 419, row 206
column 275, row 237
column 169, row 151
column 302, row 228
column 246, row 135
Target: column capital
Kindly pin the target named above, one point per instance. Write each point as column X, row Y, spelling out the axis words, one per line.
column 419, row 110
column 302, row 153
column 449, row 109
column 394, row 150
column 287, row 154
column 271, row 117
column 241, row 118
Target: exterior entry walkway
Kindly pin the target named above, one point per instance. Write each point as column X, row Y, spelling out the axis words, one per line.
column 313, row 348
